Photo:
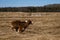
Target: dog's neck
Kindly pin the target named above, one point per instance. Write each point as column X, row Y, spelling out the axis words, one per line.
column 27, row 22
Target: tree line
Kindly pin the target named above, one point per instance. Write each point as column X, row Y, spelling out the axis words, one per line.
column 48, row 8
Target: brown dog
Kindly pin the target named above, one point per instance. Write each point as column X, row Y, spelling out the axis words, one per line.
column 20, row 25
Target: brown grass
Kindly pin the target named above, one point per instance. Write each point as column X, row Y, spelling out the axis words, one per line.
column 46, row 26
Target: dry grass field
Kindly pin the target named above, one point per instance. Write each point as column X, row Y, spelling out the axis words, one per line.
column 46, row 26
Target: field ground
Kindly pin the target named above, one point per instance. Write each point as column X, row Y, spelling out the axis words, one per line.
column 46, row 26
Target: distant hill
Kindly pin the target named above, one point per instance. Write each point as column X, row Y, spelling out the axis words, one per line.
column 53, row 5
column 46, row 8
